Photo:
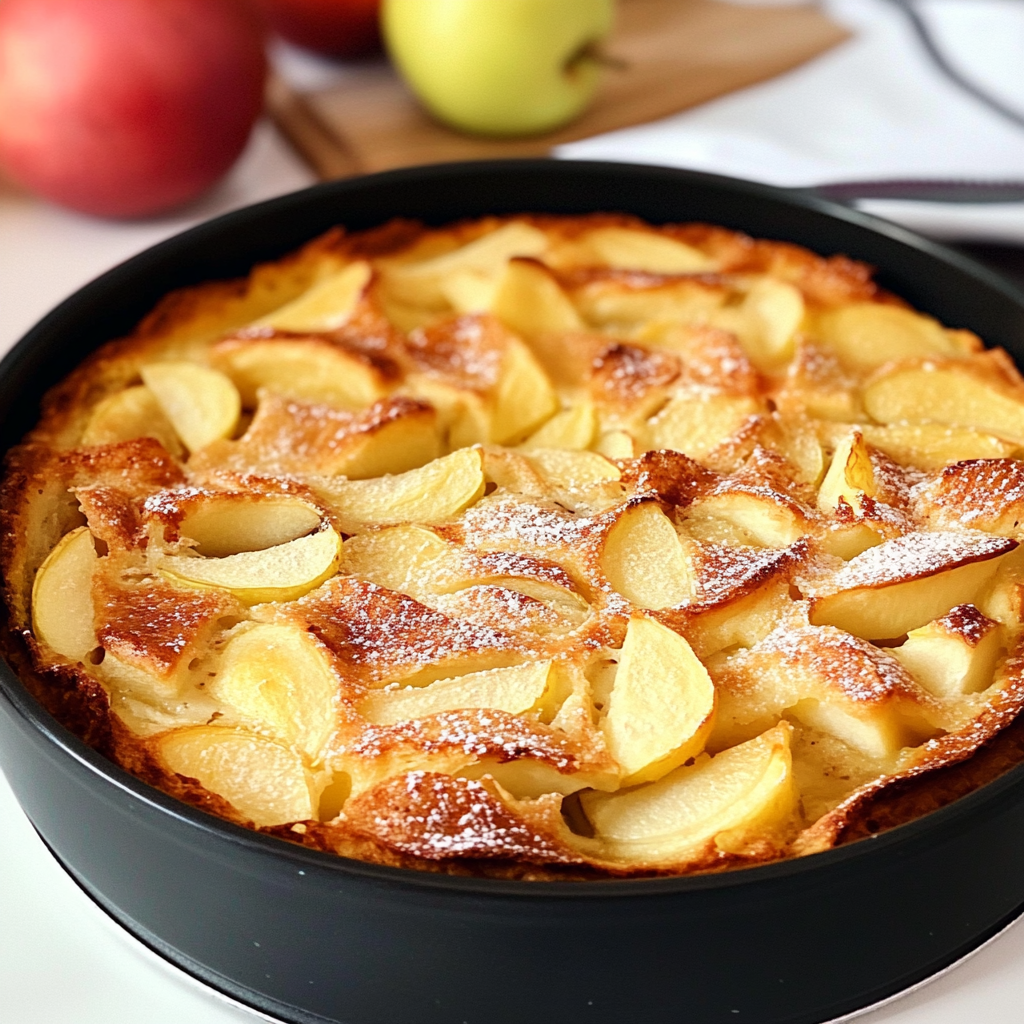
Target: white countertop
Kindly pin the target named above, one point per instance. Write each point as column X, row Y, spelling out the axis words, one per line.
column 61, row 960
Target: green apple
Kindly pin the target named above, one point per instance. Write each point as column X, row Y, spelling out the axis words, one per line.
column 499, row 67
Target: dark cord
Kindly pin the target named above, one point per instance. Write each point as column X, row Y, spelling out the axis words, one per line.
column 927, row 40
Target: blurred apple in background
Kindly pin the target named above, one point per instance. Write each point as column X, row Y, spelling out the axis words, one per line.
column 499, row 67
column 339, row 28
column 126, row 107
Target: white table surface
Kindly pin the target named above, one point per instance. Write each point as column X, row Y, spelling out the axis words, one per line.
column 61, row 960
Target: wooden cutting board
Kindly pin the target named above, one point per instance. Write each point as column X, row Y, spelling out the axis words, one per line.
column 673, row 54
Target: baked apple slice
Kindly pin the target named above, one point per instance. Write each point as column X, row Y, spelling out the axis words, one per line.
column 201, row 403
column 947, row 393
column 644, row 559
column 421, row 283
column 325, row 306
column 281, row 573
column 574, row 429
column 719, row 801
column 126, row 415
column 309, row 370
column 904, row 583
column 62, row 606
column 867, row 334
column 431, row 494
column 274, row 677
column 850, row 475
column 697, row 424
column 529, row 301
column 633, row 249
column 953, row 655
column 227, row 523
column 263, row 780
column 516, row 689
column 662, row 704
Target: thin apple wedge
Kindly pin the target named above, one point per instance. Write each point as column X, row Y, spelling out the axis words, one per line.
column 867, row 334
column 201, row 403
column 850, row 475
column 281, row 573
column 422, row 283
column 953, row 655
column 662, row 703
column 309, row 370
column 227, row 523
column 524, row 397
column 942, row 393
column 431, row 494
column 274, row 677
column 126, row 415
column 765, row 322
column 62, row 605
column 633, row 249
column 935, row 445
column 645, row 561
column 516, row 689
column 562, row 468
column 403, row 558
column 263, row 780
column 324, row 307
column 529, row 301
column 574, row 429
column 697, row 424
column 904, row 583
column 745, row 790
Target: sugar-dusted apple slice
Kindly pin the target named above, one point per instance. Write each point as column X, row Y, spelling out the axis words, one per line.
column 128, row 414
column 201, row 403
column 226, row 523
column 953, row 655
column 572, row 469
column 516, row 689
column 310, row 370
column 405, row 558
column 697, row 424
column 530, row 301
column 986, row 493
column 745, row 790
column 945, row 393
column 662, row 703
column 573, row 428
column 935, row 445
column 645, row 561
column 904, row 583
column 325, row 306
column 62, row 606
column 421, row 283
column 281, row 573
column 276, row 679
column 431, row 494
column 850, row 475
column 263, row 780
column 867, row 334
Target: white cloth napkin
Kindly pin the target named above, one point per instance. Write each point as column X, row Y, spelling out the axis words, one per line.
column 874, row 107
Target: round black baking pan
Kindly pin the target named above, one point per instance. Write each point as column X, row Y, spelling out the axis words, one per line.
column 307, row 937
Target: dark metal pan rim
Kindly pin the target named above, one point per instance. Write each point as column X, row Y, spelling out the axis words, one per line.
column 72, row 754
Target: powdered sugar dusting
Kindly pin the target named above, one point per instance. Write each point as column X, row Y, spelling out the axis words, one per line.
column 916, row 555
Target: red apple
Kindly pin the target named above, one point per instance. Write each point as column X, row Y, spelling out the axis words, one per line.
column 340, row 28
column 126, row 107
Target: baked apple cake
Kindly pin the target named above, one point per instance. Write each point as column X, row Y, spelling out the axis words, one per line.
column 535, row 547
